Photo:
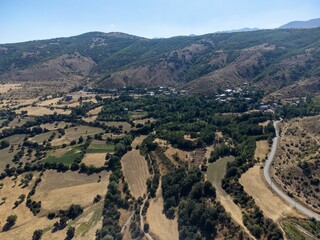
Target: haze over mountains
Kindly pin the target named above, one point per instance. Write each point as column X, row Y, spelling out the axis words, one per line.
column 313, row 23
column 284, row 60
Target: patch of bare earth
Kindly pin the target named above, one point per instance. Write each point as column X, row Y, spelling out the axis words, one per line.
column 135, row 171
column 270, row 203
column 160, row 226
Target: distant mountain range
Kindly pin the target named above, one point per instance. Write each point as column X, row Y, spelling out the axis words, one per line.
column 284, row 61
column 313, row 23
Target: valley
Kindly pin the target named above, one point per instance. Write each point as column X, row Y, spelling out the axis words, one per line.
column 126, row 156
column 113, row 136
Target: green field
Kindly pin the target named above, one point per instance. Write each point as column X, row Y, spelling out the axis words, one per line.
column 67, row 158
column 100, row 148
column 217, row 170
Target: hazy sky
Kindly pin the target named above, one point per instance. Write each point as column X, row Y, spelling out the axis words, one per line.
column 22, row 20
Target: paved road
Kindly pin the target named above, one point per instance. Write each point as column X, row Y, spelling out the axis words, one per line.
column 266, row 173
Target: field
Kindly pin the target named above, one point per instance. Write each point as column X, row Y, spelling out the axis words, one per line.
column 125, row 126
column 49, row 102
column 137, row 115
column 296, row 164
column 89, row 119
column 15, row 139
column 53, row 126
column 144, row 121
column 135, row 171
column 65, row 156
column 160, row 225
column 74, row 133
column 215, row 174
column 40, row 111
column 26, row 222
column 7, row 87
column 100, row 147
column 138, row 140
column 58, row 190
column 95, row 159
column 43, row 137
column 94, row 111
column 6, row 157
column 262, row 150
column 271, row 205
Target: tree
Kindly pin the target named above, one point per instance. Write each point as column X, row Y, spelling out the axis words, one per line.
column 4, row 144
column 146, row 227
column 70, row 233
column 37, row 234
column 11, row 221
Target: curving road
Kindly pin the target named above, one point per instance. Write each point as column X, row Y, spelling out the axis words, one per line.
column 283, row 195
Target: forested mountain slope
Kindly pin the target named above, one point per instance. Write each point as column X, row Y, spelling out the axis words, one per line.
column 270, row 59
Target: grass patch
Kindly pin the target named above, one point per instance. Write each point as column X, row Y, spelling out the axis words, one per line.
column 217, row 170
column 85, row 227
column 100, row 148
column 66, row 158
column 293, row 233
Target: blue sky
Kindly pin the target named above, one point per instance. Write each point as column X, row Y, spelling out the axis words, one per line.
column 22, row 20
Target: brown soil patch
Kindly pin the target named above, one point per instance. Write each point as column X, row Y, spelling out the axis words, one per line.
column 160, row 225
column 183, row 155
column 58, row 190
column 264, row 124
column 95, row 159
column 135, row 170
column 262, row 150
column 271, row 205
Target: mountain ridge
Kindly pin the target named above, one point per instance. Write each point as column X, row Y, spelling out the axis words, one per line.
column 312, row 23
column 267, row 59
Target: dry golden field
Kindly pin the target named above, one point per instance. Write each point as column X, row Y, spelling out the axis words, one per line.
column 270, row 203
column 262, row 150
column 160, row 226
column 135, row 171
column 58, row 190
column 95, row 159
